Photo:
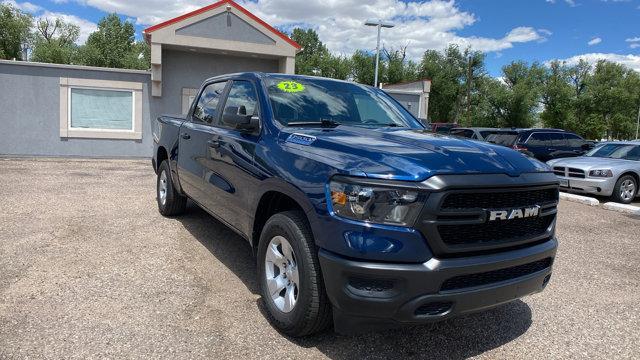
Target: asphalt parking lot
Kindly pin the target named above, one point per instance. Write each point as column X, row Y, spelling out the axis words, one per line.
column 89, row 269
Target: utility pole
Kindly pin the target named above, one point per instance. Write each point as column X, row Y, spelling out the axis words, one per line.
column 379, row 24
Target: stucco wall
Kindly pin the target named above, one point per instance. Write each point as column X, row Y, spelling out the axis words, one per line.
column 30, row 102
column 30, row 113
column 189, row 69
column 411, row 102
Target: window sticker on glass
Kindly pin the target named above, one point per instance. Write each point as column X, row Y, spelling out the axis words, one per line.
column 290, row 86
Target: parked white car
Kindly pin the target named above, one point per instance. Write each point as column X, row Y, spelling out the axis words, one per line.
column 612, row 169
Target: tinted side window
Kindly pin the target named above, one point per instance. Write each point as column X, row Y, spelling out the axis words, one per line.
column 574, row 140
column 206, row 109
column 242, row 100
column 539, row 139
column 557, row 139
column 633, row 154
column 461, row 133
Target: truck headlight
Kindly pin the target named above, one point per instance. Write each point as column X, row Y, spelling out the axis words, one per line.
column 375, row 203
column 601, row 173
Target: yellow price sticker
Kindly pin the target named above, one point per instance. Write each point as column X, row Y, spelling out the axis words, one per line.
column 290, row 86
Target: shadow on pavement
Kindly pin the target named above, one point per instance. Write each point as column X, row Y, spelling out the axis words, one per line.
column 461, row 337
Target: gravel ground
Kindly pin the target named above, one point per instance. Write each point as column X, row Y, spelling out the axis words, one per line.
column 88, row 269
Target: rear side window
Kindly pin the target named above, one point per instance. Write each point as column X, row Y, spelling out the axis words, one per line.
column 557, row 139
column 574, row 140
column 506, row 139
column 462, row 133
column 206, row 109
column 539, row 139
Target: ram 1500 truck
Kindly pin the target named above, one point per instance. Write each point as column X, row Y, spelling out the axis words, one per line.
column 356, row 213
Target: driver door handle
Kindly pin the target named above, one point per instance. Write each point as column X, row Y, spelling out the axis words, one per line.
column 214, row 143
column 185, row 136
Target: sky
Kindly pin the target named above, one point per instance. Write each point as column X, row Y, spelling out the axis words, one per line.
column 506, row 30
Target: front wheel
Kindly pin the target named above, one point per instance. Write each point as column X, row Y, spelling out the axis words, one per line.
column 289, row 275
column 625, row 190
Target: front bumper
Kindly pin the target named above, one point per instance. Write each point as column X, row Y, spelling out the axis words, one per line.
column 596, row 186
column 371, row 295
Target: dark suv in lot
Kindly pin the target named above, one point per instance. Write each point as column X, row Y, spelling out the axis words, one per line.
column 356, row 212
column 543, row 144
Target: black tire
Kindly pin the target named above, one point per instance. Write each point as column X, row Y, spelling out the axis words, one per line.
column 618, row 189
column 174, row 203
column 312, row 311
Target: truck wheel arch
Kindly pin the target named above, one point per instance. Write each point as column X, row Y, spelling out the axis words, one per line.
column 277, row 198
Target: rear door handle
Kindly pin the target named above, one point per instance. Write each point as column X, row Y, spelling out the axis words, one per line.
column 214, row 143
column 185, row 136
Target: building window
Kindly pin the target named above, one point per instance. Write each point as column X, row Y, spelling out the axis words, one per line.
column 100, row 109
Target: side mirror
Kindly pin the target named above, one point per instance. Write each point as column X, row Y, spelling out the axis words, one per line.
column 237, row 117
column 587, row 146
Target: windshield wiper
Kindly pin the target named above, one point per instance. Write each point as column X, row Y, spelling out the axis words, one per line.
column 323, row 123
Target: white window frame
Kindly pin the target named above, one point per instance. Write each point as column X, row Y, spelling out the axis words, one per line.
column 66, row 131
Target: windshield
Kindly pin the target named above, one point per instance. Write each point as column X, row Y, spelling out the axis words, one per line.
column 616, row 151
column 303, row 100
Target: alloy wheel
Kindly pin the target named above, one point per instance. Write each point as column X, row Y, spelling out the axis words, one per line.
column 281, row 272
column 163, row 187
column 627, row 190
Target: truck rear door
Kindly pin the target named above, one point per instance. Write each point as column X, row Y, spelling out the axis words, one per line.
column 195, row 133
column 229, row 177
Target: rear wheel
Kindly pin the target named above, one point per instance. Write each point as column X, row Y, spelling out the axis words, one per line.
column 289, row 275
column 625, row 190
column 170, row 201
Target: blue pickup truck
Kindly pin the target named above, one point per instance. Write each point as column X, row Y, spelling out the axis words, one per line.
column 357, row 214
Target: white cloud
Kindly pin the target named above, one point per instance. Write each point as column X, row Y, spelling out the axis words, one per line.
column 634, row 45
column 24, row 6
column 634, row 39
column 631, row 61
column 571, row 3
column 340, row 23
column 86, row 26
column 594, row 41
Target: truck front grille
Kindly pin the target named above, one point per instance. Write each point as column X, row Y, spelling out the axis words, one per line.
column 511, row 230
column 495, row 276
column 456, row 222
column 494, row 200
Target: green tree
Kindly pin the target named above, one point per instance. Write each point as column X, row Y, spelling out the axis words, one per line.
column 15, row 29
column 613, row 91
column 398, row 68
column 520, row 95
column 54, row 41
column 557, row 97
column 311, row 60
column 112, row 45
column 446, row 71
column 363, row 67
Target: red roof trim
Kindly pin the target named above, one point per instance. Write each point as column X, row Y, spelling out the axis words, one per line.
column 216, row 5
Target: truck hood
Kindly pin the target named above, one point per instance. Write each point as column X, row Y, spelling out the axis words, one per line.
column 406, row 154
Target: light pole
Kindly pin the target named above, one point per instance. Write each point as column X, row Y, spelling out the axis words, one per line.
column 379, row 24
column 638, row 124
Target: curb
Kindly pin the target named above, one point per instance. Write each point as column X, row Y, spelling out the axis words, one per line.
column 579, row 199
column 624, row 208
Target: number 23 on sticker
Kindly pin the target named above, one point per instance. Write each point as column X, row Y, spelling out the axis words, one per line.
column 290, row 86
